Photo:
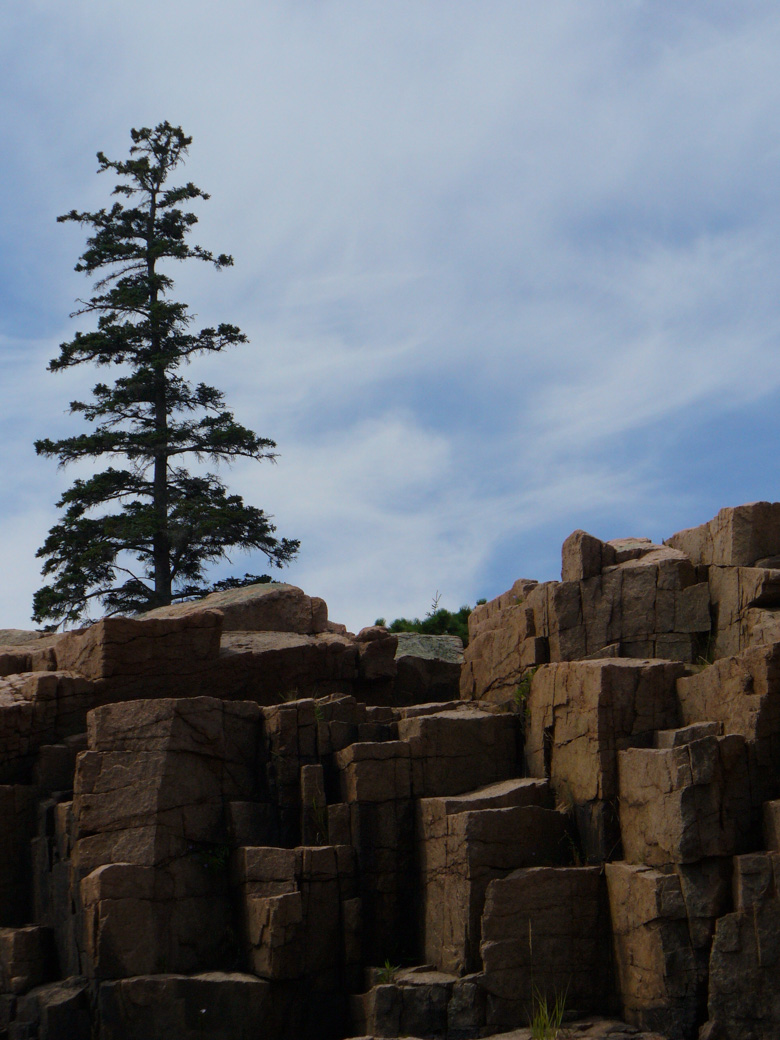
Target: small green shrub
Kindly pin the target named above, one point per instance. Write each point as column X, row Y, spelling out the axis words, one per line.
column 437, row 622
column 387, row 973
column 521, row 694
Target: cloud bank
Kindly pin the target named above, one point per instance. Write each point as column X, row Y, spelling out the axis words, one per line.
column 506, row 269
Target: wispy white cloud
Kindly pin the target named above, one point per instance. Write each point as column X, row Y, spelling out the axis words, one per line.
column 491, row 262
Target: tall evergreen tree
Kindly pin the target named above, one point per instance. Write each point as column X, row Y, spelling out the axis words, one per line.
column 137, row 534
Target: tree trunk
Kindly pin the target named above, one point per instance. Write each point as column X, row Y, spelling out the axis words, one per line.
column 161, row 546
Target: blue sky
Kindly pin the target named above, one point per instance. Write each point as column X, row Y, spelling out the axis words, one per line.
column 507, row 268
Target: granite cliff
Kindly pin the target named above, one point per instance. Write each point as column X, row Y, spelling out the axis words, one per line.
column 234, row 819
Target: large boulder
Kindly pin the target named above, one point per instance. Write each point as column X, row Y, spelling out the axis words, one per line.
column 272, row 607
column 150, row 651
column 739, row 536
column 428, row 668
column 149, row 825
column 655, row 962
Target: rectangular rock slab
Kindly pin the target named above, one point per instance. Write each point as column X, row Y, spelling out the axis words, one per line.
column 745, row 602
column 580, row 715
column 738, row 536
column 461, row 853
column 756, row 879
column 654, row 959
column 503, row 643
column 409, row 1006
column 372, row 772
column 584, row 556
column 456, row 751
column 55, row 1010
column 743, row 993
column 298, row 908
column 27, row 958
column 683, row 804
column 544, row 930
column 743, row 694
column 130, row 649
column 220, row 1005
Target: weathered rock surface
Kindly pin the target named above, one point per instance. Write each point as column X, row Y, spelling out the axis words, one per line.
column 421, row 1002
column 738, row 536
column 683, row 804
column 544, row 934
column 23, row 651
column 272, row 607
column 579, row 716
column 741, row 599
column 650, row 603
column 744, row 967
column 466, row 844
column 742, row 693
column 654, row 957
column 129, row 650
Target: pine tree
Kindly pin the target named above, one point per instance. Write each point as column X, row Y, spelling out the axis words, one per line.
column 138, row 534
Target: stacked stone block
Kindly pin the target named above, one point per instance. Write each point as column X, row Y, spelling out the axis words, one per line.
column 545, row 935
column 654, row 957
column 235, row 819
column 465, row 842
column 579, row 716
column 627, row 598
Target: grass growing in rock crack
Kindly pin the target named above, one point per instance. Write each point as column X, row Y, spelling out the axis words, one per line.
column 547, row 1016
column 319, row 817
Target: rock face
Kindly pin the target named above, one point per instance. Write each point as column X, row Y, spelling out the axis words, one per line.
column 742, row 536
column 274, row 607
column 580, row 716
column 233, row 819
column 648, row 602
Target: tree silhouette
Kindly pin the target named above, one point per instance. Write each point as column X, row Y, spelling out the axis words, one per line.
column 138, row 534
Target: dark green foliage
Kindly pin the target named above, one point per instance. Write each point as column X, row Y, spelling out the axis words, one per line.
column 240, row 583
column 439, row 622
column 137, row 535
column 211, row 855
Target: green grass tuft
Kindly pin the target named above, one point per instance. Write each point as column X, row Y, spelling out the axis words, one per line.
column 547, row 1017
